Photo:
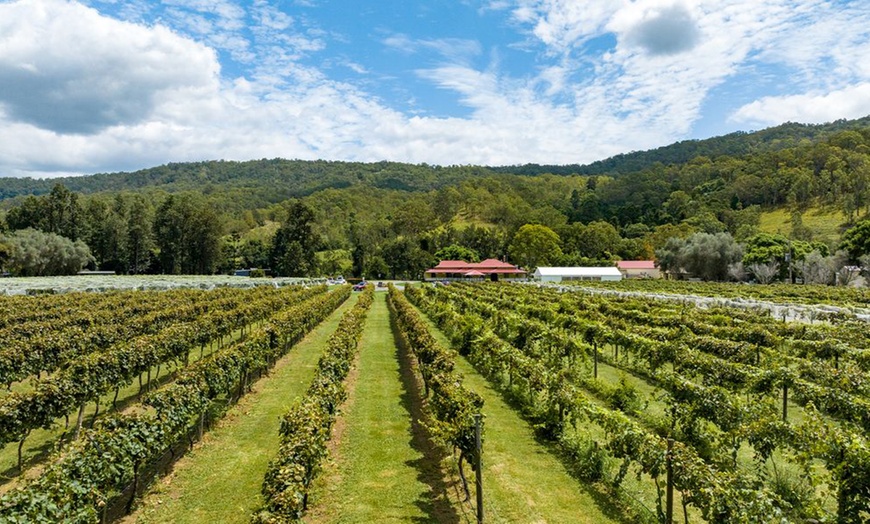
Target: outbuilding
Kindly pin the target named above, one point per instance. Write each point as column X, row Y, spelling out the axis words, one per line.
column 562, row 274
column 638, row 269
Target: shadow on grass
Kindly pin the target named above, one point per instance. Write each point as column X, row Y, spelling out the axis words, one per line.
column 37, row 454
column 609, row 500
column 437, row 506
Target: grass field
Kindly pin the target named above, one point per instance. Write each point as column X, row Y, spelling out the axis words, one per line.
column 41, row 442
column 383, row 469
column 524, row 481
column 825, row 225
column 220, row 480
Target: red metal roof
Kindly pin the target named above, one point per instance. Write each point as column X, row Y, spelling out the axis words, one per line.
column 453, row 264
column 494, row 263
column 636, row 264
column 486, row 267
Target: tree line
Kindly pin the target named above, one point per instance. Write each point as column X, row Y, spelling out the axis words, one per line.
column 395, row 220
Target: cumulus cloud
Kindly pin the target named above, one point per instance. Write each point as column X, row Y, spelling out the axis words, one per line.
column 82, row 92
column 667, row 31
column 814, row 108
column 64, row 68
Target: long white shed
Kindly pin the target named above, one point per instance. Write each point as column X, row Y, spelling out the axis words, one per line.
column 561, row 274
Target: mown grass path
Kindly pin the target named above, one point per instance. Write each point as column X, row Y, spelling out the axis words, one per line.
column 383, row 467
column 41, row 442
column 523, row 481
column 220, row 480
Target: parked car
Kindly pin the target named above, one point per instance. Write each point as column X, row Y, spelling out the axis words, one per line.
column 359, row 287
column 381, row 284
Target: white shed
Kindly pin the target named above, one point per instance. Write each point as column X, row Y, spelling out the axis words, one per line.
column 561, row 274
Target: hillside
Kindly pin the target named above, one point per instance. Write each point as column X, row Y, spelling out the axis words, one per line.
column 807, row 183
column 257, row 183
column 733, row 144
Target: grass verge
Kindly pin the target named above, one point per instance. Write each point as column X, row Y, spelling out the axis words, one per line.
column 523, row 479
column 220, row 480
column 383, row 468
column 42, row 442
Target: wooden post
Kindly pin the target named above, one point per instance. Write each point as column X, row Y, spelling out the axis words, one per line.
column 20, row 457
column 595, row 360
column 785, row 402
column 478, row 463
column 669, row 495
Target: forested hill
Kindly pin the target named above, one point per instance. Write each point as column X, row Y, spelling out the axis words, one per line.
column 811, row 183
column 734, row 144
column 257, row 182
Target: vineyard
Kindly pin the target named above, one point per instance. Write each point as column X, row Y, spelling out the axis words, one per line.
column 459, row 403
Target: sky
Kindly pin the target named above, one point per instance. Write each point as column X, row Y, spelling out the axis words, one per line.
column 94, row 86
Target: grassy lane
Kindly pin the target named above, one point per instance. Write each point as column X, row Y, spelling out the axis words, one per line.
column 220, row 480
column 383, row 470
column 41, row 442
column 523, row 481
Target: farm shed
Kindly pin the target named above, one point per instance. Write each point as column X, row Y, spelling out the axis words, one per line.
column 561, row 274
column 638, row 269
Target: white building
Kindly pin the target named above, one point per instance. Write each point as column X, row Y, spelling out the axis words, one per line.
column 561, row 274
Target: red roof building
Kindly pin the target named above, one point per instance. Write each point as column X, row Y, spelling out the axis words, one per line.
column 638, row 269
column 491, row 269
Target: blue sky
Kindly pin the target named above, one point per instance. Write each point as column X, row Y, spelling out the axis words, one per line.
column 92, row 86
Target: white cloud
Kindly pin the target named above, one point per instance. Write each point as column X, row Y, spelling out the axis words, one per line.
column 670, row 54
column 850, row 102
column 65, row 68
column 454, row 50
column 115, row 95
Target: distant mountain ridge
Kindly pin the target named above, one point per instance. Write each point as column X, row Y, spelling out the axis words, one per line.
column 738, row 143
column 259, row 182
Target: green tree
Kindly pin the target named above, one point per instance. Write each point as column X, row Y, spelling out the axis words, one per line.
column 457, row 252
column 294, row 248
column 35, row 253
column 704, row 255
column 139, row 238
column 487, row 242
column 63, row 213
column 856, row 241
column 375, row 265
column 534, row 245
column 104, row 232
column 31, row 213
column 599, row 240
column 405, row 259
column 414, row 217
column 187, row 232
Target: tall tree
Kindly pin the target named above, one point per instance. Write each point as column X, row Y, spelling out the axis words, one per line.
column 187, row 232
column 294, row 249
column 857, row 240
column 534, row 245
column 63, row 213
column 139, row 238
column 104, row 231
